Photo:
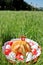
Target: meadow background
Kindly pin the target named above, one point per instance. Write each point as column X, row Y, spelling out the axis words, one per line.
column 14, row 24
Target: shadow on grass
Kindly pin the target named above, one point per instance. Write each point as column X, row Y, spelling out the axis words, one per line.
column 7, row 36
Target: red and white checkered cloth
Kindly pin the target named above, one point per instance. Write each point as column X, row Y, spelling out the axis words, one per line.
column 35, row 52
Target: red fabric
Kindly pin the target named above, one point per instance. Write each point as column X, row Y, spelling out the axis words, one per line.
column 7, row 51
column 31, row 43
column 18, row 56
column 10, row 43
column 34, row 52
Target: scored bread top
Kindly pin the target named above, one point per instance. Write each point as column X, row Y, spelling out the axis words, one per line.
column 20, row 46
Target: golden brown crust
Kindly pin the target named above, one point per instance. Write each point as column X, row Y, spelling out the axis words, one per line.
column 20, row 46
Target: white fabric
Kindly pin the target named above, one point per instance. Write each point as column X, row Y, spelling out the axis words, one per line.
column 8, row 47
column 34, row 56
column 11, row 56
column 39, row 52
column 27, row 40
column 21, row 56
column 34, row 47
column 29, row 57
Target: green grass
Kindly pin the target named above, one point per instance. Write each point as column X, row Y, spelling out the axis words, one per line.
column 15, row 24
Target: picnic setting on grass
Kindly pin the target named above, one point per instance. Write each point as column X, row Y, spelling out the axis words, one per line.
column 21, row 38
column 21, row 50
